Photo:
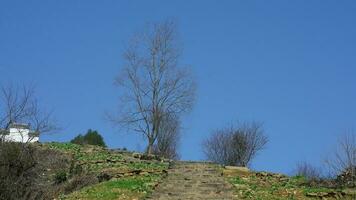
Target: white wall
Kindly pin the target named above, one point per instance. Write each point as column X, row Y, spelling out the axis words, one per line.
column 20, row 135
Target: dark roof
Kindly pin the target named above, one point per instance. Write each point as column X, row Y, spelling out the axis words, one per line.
column 18, row 125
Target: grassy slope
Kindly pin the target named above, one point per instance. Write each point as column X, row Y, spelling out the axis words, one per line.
column 96, row 161
column 125, row 188
column 261, row 186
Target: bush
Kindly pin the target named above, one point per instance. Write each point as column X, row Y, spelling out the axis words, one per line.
column 60, row 177
column 235, row 145
column 91, row 137
column 16, row 170
column 78, row 182
column 79, row 139
column 26, row 171
column 342, row 162
column 308, row 171
column 75, row 169
column 347, row 178
column 344, row 156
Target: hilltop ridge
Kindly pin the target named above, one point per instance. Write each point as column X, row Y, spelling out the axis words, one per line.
column 69, row 171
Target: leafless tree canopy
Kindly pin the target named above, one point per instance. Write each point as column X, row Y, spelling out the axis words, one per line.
column 19, row 105
column 168, row 138
column 344, row 157
column 152, row 82
column 235, row 145
column 308, row 171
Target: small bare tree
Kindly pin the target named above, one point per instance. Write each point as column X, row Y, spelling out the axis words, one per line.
column 308, row 171
column 168, row 138
column 152, row 83
column 235, row 145
column 344, row 157
column 218, row 147
column 19, row 105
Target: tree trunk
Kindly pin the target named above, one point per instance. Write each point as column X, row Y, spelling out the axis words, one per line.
column 150, row 146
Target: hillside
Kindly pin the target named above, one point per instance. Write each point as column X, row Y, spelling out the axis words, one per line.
column 262, row 185
column 68, row 171
column 115, row 174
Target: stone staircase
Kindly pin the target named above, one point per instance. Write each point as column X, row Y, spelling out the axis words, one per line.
column 193, row 180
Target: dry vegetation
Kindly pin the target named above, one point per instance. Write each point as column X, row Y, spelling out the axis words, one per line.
column 263, row 185
column 70, row 171
column 235, row 145
column 53, row 170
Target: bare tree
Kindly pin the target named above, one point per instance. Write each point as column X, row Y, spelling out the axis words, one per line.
column 344, row 157
column 19, row 105
column 168, row 138
column 152, row 82
column 218, row 147
column 235, row 145
column 16, row 105
column 308, row 171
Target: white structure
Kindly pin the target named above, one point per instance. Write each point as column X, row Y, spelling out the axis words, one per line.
column 19, row 133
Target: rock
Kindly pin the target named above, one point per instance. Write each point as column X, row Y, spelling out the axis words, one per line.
column 165, row 160
column 349, row 191
column 280, row 176
column 137, row 155
column 237, row 168
column 144, row 173
column 241, row 187
column 321, row 194
column 104, row 177
column 149, row 157
column 262, row 174
column 235, row 171
column 312, row 194
column 284, row 179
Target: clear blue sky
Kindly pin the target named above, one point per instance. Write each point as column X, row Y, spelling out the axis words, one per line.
column 289, row 64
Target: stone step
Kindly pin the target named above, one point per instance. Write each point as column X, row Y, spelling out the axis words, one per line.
column 190, row 180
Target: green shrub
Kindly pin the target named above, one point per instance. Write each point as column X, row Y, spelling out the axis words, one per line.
column 60, row 177
column 75, row 170
column 78, row 182
column 91, row 137
column 79, row 139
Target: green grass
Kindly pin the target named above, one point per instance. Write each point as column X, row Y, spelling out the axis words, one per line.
column 94, row 160
column 100, row 159
column 272, row 188
column 66, row 147
column 126, row 188
column 316, row 190
column 152, row 166
column 237, row 180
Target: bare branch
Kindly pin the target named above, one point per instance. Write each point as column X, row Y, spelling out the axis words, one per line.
column 152, row 83
column 235, row 145
column 344, row 157
column 19, row 105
